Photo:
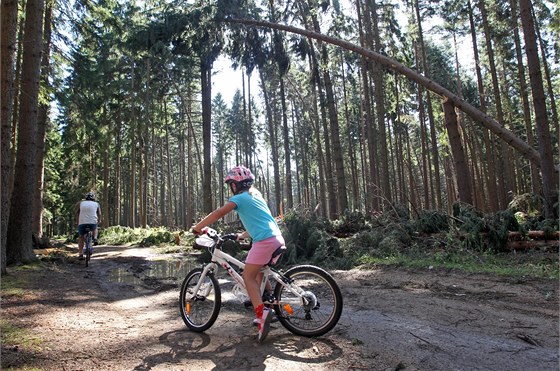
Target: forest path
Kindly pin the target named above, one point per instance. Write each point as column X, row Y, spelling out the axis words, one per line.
column 121, row 313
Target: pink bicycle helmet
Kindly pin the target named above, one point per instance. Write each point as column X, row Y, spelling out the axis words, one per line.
column 239, row 174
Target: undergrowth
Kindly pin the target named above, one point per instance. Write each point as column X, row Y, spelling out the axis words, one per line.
column 468, row 240
column 119, row 235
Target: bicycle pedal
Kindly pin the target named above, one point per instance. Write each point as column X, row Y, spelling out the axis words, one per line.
column 268, row 298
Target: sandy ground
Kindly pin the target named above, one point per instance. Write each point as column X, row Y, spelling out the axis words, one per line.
column 121, row 313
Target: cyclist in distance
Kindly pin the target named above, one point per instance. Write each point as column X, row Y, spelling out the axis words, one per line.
column 260, row 226
column 88, row 215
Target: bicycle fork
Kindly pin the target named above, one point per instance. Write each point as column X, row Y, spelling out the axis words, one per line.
column 205, row 271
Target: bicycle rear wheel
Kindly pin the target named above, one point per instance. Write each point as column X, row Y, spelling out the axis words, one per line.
column 200, row 310
column 88, row 248
column 320, row 308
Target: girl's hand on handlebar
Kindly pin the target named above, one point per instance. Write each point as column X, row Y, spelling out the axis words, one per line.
column 242, row 236
column 198, row 233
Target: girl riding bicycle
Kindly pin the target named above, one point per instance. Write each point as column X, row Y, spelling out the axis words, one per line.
column 261, row 226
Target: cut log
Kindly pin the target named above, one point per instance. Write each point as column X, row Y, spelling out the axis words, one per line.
column 549, row 245
column 535, row 235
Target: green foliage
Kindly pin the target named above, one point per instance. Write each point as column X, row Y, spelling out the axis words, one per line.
column 482, row 232
column 526, row 208
column 157, row 236
column 380, row 242
column 302, row 229
column 136, row 236
column 350, row 222
column 527, row 203
column 432, row 221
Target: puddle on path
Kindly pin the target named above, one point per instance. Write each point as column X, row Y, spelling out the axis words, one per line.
column 167, row 270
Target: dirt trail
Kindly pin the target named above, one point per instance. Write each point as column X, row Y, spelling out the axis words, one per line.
column 118, row 315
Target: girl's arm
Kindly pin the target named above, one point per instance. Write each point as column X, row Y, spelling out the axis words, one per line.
column 214, row 216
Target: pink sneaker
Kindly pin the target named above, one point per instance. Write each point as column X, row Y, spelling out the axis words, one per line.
column 264, row 324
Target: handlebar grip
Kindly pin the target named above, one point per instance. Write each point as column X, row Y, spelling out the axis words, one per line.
column 230, row 236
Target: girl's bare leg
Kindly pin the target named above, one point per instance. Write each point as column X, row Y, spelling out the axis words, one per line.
column 251, row 275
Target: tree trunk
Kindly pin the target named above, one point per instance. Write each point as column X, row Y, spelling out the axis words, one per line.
column 133, row 142
column 42, row 127
column 423, row 136
column 510, row 138
column 206, row 83
column 490, row 173
column 505, row 179
column 338, row 195
column 8, row 19
column 19, row 246
column 106, row 173
column 272, row 138
column 546, row 70
column 321, row 189
column 329, row 178
column 549, row 176
column 118, row 179
column 535, row 181
column 378, row 74
column 287, row 156
column 432, row 154
column 461, row 163
column 372, row 200
column 351, row 143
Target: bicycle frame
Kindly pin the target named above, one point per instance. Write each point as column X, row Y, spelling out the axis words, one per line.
column 224, row 260
column 306, row 299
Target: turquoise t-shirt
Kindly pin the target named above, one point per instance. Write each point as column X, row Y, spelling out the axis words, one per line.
column 255, row 216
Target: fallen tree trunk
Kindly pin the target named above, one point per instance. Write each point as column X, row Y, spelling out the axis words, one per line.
column 532, row 245
column 535, row 235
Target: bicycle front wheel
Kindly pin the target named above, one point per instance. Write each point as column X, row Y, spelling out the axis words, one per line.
column 311, row 304
column 200, row 310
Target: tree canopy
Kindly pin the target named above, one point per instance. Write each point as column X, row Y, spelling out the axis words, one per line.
column 361, row 106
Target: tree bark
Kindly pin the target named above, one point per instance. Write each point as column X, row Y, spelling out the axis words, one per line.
column 546, row 70
column 273, row 141
column 461, row 163
column 42, row 127
column 549, row 176
column 504, row 162
column 378, row 75
column 490, row 170
column 206, row 83
column 8, row 19
column 287, row 154
column 19, row 246
column 372, row 200
column 535, row 181
column 321, row 189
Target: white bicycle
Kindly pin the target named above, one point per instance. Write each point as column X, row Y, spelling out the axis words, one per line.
column 306, row 299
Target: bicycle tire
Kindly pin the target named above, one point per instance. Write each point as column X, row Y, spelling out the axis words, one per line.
column 323, row 309
column 88, row 248
column 201, row 313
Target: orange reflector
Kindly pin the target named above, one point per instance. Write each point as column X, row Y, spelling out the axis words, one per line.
column 288, row 309
column 188, row 307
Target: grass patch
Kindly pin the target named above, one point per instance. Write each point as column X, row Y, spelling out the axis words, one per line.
column 15, row 283
column 529, row 264
column 22, row 337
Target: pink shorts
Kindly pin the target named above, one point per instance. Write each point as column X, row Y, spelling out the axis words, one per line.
column 262, row 251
